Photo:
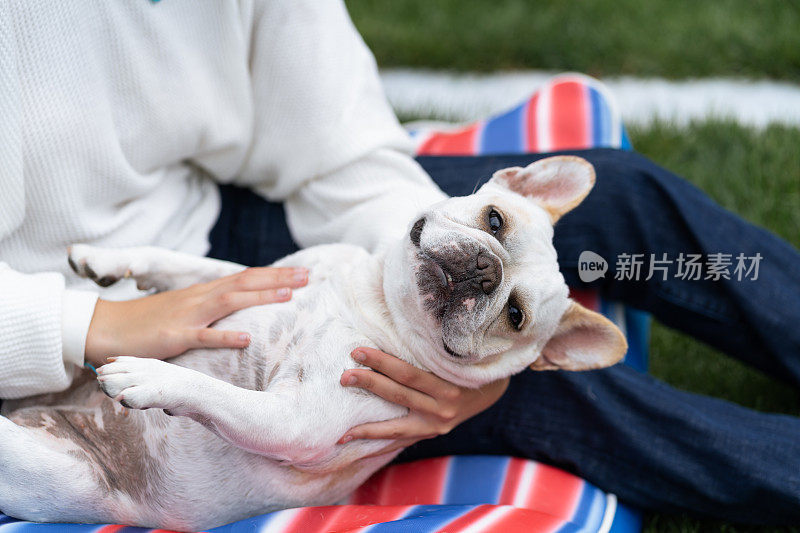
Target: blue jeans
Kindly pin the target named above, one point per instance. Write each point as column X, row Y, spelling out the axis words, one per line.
column 654, row 446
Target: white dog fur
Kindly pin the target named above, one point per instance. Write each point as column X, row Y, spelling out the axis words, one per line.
column 255, row 430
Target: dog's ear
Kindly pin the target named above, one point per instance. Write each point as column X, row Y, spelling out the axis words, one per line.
column 556, row 183
column 583, row 340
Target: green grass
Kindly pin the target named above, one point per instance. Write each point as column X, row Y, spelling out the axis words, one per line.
column 666, row 38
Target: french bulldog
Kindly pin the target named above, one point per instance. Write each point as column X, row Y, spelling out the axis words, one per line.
column 471, row 293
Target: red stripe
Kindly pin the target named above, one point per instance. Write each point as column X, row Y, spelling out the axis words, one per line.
column 569, row 116
column 378, row 514
column 511, row 483
column 589, row 298
column 369, row 492
column 461, row 142
column 467, row 519
column 417, row 483
column 527, row 521
column 530, row 124
column 555, row 492
column 110, row 529
column 344, row 518
column 313, row 519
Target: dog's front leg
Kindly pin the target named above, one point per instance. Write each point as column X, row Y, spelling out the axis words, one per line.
column 257, row 421
column 151, row 267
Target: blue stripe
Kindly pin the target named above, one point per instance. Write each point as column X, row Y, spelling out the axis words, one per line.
column 626, row 520
column 626, row 142
column 475, row 479
column 571, row 527
column 584, row 505
column 600, row 119
column 637, row 326
column 503, row 133
column 424, row 519
column 255, row 523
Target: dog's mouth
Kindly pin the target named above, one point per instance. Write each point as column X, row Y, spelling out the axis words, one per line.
column 444, row 277
column 451, row 351
column 436, row 285
column 434, row 278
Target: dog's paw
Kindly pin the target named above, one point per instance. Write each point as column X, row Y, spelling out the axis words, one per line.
column 101, row 265
column 139, row 383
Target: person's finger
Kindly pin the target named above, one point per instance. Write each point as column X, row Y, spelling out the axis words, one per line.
column 394, row 446
column 405, row 427
column 214, row 338
column 404, row 373
column 226, row 303
column 389, row 390
column 260, row 278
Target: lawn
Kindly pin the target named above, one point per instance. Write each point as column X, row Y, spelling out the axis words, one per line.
column 674, row 39
column 754, row 173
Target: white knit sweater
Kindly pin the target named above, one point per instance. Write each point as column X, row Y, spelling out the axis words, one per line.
column 116, row 118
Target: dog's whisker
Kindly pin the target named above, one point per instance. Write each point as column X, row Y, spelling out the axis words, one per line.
column 477, row 183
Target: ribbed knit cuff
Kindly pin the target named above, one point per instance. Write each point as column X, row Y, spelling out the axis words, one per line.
column 77, row 309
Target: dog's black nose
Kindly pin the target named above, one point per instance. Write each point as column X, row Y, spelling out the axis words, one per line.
column 488, row 272
column 416, row 231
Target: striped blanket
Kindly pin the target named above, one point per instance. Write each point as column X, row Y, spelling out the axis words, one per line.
column 447, row 494
column 477, row 493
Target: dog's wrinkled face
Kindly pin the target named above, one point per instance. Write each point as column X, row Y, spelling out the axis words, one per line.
column 487, row 284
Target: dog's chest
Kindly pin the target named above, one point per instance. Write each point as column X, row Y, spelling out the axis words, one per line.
column 303, row 346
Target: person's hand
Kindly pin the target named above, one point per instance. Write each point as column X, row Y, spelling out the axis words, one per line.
column 169, row 323
column 435, row 406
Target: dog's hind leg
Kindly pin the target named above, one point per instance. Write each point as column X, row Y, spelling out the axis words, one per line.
column 45, row 481
column 151, row 267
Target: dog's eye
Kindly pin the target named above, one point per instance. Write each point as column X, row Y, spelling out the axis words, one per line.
column 515, row 315
column 495, row 221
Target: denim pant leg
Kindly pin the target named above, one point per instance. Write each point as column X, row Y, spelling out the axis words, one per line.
column 250, row 230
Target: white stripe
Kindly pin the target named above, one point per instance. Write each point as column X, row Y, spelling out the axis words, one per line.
column 524, row 485
column 487, row 521
column 615, row 120
column 13, row 526
column 543, row 140
column 279, row 523
column 618, row 317
column 596, row 510
column 608, row 517
column 466, row 97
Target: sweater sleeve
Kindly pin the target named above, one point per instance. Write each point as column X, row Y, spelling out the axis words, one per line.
column 325, row 139
column 35, row 312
